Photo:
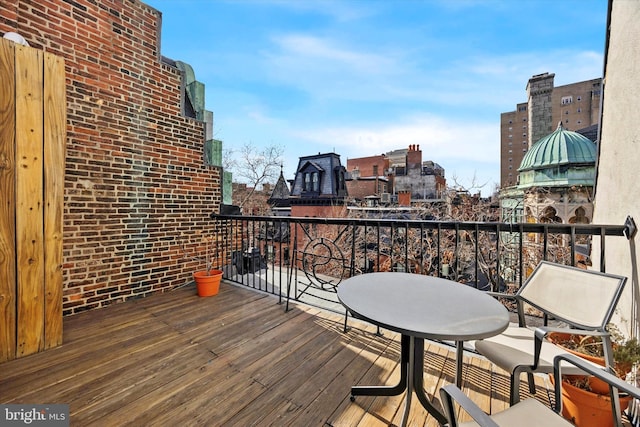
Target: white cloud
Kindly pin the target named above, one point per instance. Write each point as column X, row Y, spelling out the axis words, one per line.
column 439, row 138
column 328, row 69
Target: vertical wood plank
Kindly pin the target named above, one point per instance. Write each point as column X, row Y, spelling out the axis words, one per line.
column 54, row 161
column 8, row 317
column 29, row 196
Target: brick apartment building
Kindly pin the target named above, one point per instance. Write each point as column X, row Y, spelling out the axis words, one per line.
column 576, row 105
column 135, row 181
column 369, row 177
column 398, row 176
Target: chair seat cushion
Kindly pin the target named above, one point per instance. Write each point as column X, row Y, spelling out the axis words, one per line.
column 514, row 347
column 528, row 413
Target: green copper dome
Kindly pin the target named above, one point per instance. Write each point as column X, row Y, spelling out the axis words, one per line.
column 563, row 158
column 559, row 148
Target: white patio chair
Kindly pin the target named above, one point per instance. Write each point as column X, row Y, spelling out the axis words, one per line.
column 531, row 412
column 583, row 299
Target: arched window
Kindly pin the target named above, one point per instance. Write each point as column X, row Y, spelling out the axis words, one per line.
column 580, row 217
column 550, row 216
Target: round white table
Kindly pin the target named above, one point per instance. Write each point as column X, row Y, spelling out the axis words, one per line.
column 421, row 307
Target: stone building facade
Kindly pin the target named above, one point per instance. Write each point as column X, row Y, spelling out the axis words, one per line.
column 136, row 183
column 576, row 105
column 556, row 180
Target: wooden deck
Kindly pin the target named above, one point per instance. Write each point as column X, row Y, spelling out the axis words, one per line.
column 233, row 359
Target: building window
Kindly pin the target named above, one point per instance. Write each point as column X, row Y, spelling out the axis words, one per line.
column 524, row 135
column 579, row 110
column 307, row 182
column 566, row 100
column 579, row 98
column 566, row 112
column 314, row 181
column 510, row 151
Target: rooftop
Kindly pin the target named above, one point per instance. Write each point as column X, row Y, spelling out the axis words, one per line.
column 234, row 359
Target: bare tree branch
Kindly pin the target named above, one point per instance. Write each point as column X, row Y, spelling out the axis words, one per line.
column 255, row 166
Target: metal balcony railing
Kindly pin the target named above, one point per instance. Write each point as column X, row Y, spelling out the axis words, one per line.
column 307, row 258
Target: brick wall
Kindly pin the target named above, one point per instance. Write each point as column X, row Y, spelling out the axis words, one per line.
column 365, row 165
column 135, row 182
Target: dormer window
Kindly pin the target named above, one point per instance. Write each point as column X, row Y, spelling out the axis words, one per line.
column 311, row 182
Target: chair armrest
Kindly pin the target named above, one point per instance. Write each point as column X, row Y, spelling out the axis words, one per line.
column 501, row 295
column 519, row 307
column 594, row 370
column 575, row 331
column 543, row 331
column 451, row 393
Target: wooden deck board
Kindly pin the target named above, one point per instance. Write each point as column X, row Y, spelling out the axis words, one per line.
column 233, row 359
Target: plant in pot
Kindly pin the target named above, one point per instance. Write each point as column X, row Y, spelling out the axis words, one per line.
column 585, row 399
column 207, row 280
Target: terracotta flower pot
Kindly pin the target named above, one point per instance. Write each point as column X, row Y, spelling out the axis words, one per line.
column 208, row 284
column 587, row 409
column 595, row 384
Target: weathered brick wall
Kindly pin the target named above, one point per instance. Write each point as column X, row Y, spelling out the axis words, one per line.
column 135, row 181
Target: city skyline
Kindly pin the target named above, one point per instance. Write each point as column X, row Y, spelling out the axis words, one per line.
column 364, row 78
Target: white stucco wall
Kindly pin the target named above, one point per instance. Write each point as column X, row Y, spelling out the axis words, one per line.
column 617, row 191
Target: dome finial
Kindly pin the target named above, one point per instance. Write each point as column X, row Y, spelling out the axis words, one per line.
column 560, row 127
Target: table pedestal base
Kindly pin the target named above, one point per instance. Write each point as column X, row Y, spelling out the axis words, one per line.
column 411, row 380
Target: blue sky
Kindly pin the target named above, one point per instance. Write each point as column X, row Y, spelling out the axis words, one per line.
column 364, row 77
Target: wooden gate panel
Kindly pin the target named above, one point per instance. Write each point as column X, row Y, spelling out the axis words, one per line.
column 55, row 121
column 7, row 207
column 29, row 196
column 32, row 161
